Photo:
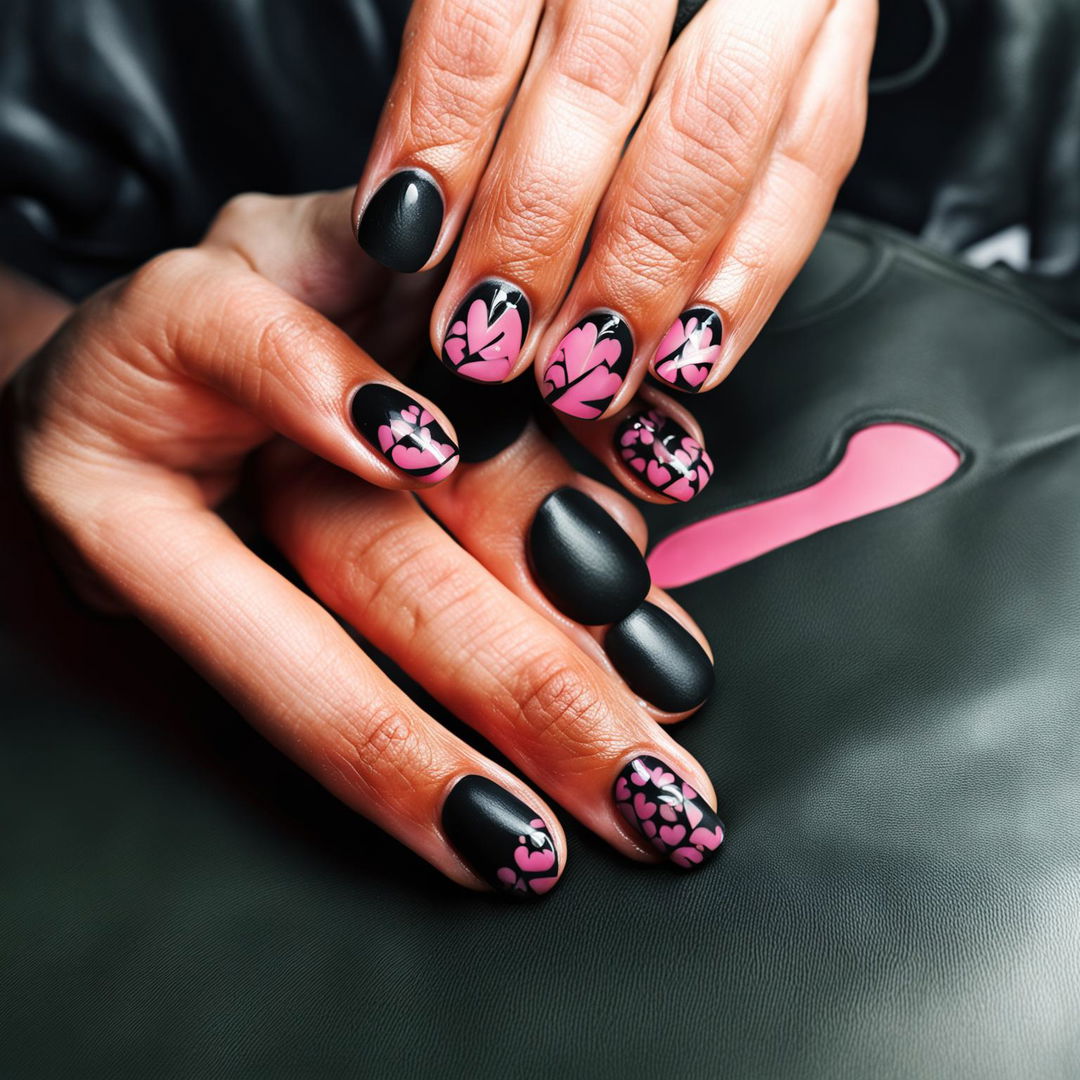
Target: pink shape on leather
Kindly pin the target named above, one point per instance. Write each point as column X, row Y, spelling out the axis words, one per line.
column 883, row 465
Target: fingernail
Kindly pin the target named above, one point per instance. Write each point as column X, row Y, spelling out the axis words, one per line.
column 504, row 841
column 660, row 659
column 668, row 812
column 402, row 429
column 588, row 366
column 688, row 352
column 664, row 454
column 584, row 561
column 402, row 220
column 487, row 332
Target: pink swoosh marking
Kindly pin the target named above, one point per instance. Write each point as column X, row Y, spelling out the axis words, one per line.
column 883, row 465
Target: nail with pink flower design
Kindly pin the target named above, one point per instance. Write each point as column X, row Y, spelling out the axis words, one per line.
column 664, row 454
column 688, row 352
column 487, row 332
column 403, row 430
column 503, row 841
column 668, row 812
column 589, row 365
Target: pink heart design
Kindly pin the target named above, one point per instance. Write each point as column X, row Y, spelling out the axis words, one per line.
column 694, row 374
column 686, row 857
column 657, row 474
column 642, row 807
column 708, row 838
column 672, row 834
column 649, row 828
column 506, row 875
column 693, row 814
column 599, row 385
column 542, row 885
column 669, row 812
column 622, row 789
column 536, row 862
column 420, row 457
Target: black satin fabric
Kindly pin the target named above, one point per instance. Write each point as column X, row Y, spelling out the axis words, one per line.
column 125, row 124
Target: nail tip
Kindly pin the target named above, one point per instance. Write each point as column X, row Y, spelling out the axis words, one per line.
column 668, row 812
column 660, row 659
column 503, row 840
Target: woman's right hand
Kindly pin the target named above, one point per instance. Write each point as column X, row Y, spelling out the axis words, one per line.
column 535, row 622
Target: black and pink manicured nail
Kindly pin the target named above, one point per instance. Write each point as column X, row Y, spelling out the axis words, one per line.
column 689, row 350
column 487, row 332
column 664, row 454
column 504, row 841
column 668, row 812
column 406, row 434
column 589, row 365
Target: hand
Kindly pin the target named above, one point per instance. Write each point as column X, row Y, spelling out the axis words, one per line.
column 518, row 116
column 134, row 422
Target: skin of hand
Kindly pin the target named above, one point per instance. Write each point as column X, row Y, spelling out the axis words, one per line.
column 528, row 611
column 699, row 178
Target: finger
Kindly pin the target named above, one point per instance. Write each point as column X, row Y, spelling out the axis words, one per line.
column 456, row 75
column 391, row 571
column 685, row 175
column 653, row 446
column 572, row 548
column 294, row 673
column 785, row 213
column 204, row 315
column 585, row 87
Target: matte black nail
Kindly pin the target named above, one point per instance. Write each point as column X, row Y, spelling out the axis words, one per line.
column 584, row 561
column 504, row 841
column 402, row 221
column 664, row 454
column 404, row 432
column 660, row 659
column 668, row 812
column 487, row 331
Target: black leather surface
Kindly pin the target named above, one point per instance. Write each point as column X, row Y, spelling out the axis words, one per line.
column 894, row 737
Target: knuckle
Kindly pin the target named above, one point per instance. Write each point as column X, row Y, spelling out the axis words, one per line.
column 471, row 38
column 242, row 212
column 600, row 60
column 531, row 218
column 557, row 703
column 462, row 69
column 386, row 734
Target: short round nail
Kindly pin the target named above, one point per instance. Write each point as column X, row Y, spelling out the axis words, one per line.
column 660, row 659
column 690, row 349
column 485, row 335
column 404, row 432
column 668, row 812
column 662, row 453
column 401, row 223
column 502, row 840
column 588, row 367
column 584, row 561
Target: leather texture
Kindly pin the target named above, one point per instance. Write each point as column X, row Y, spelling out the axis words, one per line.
column 893, row 735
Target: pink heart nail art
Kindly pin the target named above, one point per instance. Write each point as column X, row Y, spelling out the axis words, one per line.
column 690, row 349
column 686, row 829
column 588, row 366
column 487, row 332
